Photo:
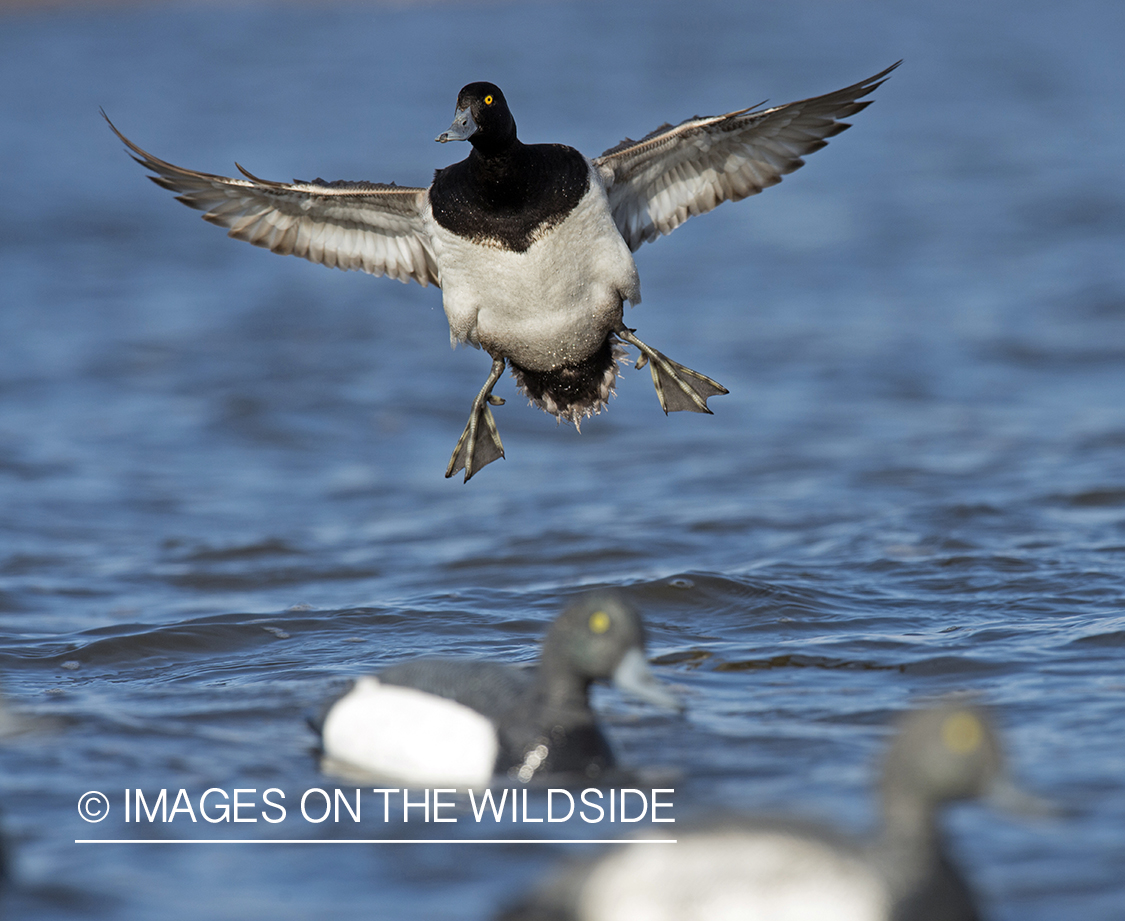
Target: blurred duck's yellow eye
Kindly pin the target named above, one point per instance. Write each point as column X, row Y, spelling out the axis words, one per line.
column 962, row 733
column 488, row 100
column 599, row 622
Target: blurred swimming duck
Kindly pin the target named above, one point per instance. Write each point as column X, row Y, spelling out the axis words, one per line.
column 531, row 244
column 463, row 721
column 775, row 870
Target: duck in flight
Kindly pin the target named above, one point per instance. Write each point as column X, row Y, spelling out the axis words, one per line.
column 531, row 244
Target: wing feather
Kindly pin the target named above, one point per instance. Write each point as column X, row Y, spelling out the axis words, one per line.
column 369, row 226
column 677, row 171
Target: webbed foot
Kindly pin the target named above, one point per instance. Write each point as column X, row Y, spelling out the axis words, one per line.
column 473, row 451
column 677, row 387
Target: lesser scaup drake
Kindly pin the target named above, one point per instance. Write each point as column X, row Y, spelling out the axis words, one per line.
column 531, row 244
column 464, row 721
column 774, row 870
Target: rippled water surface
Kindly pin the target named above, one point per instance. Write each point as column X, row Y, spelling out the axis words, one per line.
column 221, row 487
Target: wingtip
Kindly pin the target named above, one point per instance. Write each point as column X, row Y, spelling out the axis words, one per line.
column 112, row 126
column 877, row 80
column 143, row 157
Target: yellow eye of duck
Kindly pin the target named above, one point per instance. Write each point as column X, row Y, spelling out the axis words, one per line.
column 962, row 733
column 599, row 622
column 488, row 100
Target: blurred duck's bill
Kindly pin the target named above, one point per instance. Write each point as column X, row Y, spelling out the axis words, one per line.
column 635, row 677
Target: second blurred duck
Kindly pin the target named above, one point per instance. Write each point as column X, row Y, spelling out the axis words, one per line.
column 429, row 721
column 738, row 869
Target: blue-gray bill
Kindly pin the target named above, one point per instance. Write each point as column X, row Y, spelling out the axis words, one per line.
column 462, row 129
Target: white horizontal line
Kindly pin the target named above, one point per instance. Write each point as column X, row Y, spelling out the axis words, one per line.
column 374, row 841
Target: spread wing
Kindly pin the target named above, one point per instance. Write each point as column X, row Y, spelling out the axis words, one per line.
column 658, row 182
column 368, row 226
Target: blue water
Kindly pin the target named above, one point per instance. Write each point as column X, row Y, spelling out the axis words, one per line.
column 221, row 487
